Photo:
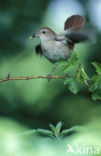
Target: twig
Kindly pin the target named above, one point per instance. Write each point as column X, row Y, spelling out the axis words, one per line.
column 8, row 78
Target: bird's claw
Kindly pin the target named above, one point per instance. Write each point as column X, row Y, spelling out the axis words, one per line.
column 67, row 75
column 49, row 77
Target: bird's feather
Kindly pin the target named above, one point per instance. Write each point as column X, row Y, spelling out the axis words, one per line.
column 74, row 23
column 77, row 37
column 38, row 49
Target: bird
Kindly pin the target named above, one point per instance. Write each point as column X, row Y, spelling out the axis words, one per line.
column 57, row 47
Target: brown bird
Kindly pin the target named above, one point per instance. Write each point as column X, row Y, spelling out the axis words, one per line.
column 59, row 46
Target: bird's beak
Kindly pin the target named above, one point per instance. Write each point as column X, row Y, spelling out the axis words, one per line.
column 34, row 35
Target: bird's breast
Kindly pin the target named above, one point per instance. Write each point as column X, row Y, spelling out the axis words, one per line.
column 55, row 50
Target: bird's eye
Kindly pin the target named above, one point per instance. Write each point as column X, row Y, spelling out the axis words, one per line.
column 43, row 32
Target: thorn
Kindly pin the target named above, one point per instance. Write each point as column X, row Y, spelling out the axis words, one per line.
column 49, row 77
column 8, row 76
column 67, row 75
column 27, row 78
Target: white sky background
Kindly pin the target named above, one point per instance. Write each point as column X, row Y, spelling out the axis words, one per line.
column 95, row 12
column 59, row 10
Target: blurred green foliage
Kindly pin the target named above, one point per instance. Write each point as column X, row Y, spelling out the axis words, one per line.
column 17, row 140
column 27, row 105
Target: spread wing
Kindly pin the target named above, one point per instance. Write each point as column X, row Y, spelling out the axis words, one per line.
column 38, row 49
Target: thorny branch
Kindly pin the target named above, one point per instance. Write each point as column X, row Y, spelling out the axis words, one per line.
column 8, row 78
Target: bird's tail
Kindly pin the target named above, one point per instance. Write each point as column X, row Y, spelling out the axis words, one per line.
column 74, row 22
column 72, row 30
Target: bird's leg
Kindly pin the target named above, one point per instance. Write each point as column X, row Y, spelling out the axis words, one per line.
column 54, row 67
column 50, row 74
column 67, row 75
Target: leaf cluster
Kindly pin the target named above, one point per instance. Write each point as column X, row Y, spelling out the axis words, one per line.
column 95, row 85
column 76, row 76
column 75, row 73
column 55, row 132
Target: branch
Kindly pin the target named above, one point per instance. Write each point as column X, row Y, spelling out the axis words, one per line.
column 31, row 77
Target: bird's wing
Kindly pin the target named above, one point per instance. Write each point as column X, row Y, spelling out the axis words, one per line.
column 76, row 36
column 38, row 49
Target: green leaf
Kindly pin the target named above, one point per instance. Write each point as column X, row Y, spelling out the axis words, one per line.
column 72, row 84
column 76, row 73
column 52, row 127
column 73, row 56
column 66, row 81
column 70, row 64
column 68, row 70
column 95, row 86
column 62, row 63
column 95, row 83
column 82, row 76
column 56, row 130
column 30, row 132
column 58, row 127
column 98, row 67
column 44, row 132
column 96, row 95
column 67, row 131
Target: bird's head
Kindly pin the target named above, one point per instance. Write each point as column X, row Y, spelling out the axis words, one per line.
column 44, row 33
